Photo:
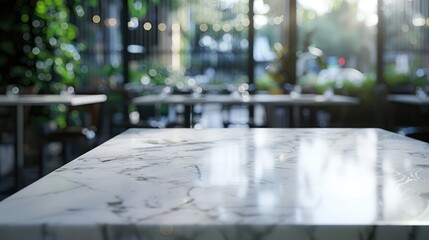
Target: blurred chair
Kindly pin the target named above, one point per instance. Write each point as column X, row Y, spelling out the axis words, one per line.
column 419, row 133
column 7, row 151
column 120, row 118
column 81, row 138
column 7, row 154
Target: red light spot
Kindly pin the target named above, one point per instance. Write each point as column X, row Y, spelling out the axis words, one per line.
column 342, row 61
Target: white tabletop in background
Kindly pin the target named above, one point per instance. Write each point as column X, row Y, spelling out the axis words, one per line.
column 232, row 184
column 20, row 101
column 304, row 99
column 408, row 99
column 40, row 99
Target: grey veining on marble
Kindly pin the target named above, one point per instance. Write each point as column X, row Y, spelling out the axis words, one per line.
column 232, row 184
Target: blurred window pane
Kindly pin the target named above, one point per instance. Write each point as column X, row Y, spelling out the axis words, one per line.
column 336, row 42
column 191, row 42
column 406, row 52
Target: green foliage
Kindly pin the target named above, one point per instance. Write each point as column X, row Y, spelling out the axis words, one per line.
column 278, row 69
column 421, row 81
column 155, row 72
column 56, row 58
column 39, row 35
column 393, row 79
column 364, row 91
column 139, row 8
column 37, row 48
column 88, row 3
column 265, row 83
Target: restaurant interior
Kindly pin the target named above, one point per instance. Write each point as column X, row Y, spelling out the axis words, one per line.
column 372, row 55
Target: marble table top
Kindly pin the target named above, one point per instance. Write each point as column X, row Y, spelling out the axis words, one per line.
column 232, row 184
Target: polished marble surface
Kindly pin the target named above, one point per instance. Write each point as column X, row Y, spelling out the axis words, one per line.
column 232, row 184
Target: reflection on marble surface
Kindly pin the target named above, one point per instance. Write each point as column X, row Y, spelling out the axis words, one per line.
column 232, row 184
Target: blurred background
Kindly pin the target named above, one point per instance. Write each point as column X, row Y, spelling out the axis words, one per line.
column 128, row 48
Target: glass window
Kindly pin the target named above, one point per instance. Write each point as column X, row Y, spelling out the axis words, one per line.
column 269, row 44
column 336, row 43
column 406, row 57
column 100, row 43
column 190, row 42
column 207, row 42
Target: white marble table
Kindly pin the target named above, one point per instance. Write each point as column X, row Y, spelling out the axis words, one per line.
column 231, row 184
column 264, row 99
column 20, row 101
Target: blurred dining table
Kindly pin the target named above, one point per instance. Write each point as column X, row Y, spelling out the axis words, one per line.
column 411, row 99
column 235, row 184
column 296, row 102
column 409, row 114
column 20, row 101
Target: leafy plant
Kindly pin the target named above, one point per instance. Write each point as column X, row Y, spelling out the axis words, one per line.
column 364, row 91
column 393, row 79
column 265, row 83
column 278, row 70
column 55, row 55
column 149, row 73
column 139, row 8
